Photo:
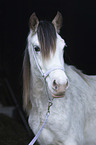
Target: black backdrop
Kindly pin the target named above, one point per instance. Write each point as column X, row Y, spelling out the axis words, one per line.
column 79, row 32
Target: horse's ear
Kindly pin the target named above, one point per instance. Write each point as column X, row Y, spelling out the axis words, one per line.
column 57, row 21
column 33, row 22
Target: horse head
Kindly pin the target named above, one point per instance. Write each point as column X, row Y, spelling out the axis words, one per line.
column 48, row 47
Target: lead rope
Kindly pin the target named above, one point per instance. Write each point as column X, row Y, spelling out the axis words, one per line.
column 39, row 132
column 47, row 115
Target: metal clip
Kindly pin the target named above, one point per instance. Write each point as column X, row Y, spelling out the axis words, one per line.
column 49, row 105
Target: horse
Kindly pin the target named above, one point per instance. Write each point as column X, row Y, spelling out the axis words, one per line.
column 72, row 119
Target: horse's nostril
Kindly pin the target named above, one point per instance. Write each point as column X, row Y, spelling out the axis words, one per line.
column 59, row 87
column 55, row 85
column 54, row 82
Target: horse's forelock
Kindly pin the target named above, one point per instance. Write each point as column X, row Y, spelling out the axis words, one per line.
column 47, row 37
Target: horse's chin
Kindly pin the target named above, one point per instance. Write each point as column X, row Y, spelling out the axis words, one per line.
column 59, row 95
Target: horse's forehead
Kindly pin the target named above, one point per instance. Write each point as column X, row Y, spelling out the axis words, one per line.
column 35, row 40
column 60, row 42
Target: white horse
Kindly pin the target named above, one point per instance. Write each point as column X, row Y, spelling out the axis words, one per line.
column 72, row 119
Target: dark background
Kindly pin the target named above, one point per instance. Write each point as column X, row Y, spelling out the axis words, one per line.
column 79, row 32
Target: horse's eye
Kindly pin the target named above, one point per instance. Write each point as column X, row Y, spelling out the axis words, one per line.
column 37, row 48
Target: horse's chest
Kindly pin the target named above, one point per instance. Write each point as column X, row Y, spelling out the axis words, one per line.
column 36, row 120
column 58, row 122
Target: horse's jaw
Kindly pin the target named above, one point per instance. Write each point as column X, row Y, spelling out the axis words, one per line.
column 38, row 88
